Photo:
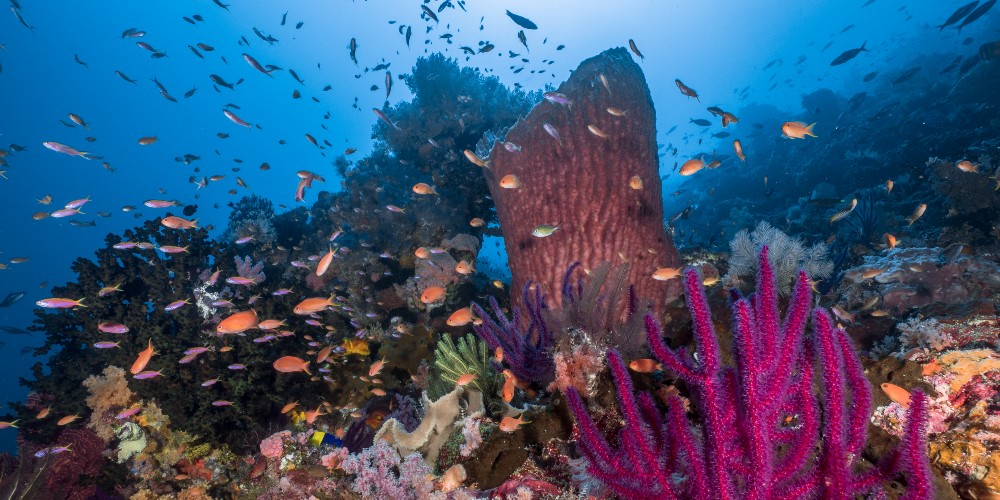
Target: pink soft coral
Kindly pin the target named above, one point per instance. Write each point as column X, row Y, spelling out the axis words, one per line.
column 273, row 446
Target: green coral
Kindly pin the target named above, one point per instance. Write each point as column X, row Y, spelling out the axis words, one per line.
column 198, row 451
column 132, row 440
column 469, row 355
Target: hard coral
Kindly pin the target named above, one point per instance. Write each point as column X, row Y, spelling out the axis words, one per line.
column 749, row 411
column 567, row 181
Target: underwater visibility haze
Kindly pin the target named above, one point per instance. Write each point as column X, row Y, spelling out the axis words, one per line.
column 459, row 249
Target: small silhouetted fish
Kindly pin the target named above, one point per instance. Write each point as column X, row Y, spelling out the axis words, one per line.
column 299, row 24
column 848, row 55
column 721, row 135
column 190, row 92
column 954, row 63
column 800, row 60
column 958, row 14
column 218, row 80
column 284, row 17
column 870, row 76
column 857, row 99
column 220, row 4
column 976, row 14
column 197, row 17
column 196, row 51
column 486, row 48
column 430, row 13
column 125, row 77
column 78, row 61
column 968, row 64
column 13, row 330
column 522, row 21
column 700, row 122
column 906, row 75
column 772, row 63
column 83, row 223
column 188, row 19
column 11, row 298
column 846, row 28
column 296, row 76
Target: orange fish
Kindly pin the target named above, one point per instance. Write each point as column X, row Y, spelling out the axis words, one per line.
column 238, row 322
column 270, row 324
column 143, row 359
column 498, row 355
column 463, row 267
column 897, row 394
column 738, row 148
column 797, row 130
column 916, row 214
column 67, row 420
column 967, row 166
column 432, row 294
column 888, row 186
column 693, row 165
column 323, row 354
column 376, row 367
column 510, row 181
column 174, row 222
column 324, row 263
column 289, row 407
column 645, row 365
column 422, row 253
column 313, row 305
column 890, row 241
column 667, row 273
column 508, row 387
column 465, row 379
column 424, row 188
column 460, row 317
column 291, row 364
column 146, row 141
column 311, row 416
column 44, row 413
column 511, row 424
column 378, row 392
column 477, row 222
column 635, row 182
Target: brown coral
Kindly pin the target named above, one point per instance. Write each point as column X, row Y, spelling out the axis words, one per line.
column 109, row 394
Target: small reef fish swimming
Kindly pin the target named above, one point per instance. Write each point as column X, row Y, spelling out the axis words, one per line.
column 917, row 213
column 544, row 230
column 688, row 91
column 844, row 213
column 797, row 130
column 848, row 55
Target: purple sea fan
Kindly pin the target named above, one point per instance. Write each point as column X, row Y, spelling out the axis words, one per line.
column 760, row 432
column 525, row 352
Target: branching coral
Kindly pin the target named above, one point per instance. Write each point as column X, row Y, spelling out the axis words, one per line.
column 748, row 411
column 381, row 473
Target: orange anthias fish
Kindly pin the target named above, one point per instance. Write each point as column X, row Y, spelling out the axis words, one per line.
column 291, row 364
column 897, row 394
column 510, row 181
column 424, row 188
column 238, row 322
column 460, row 317
column 313, row 305
column 797, row 130
column 738, row 148
column 324, row 354
column 312, row 415
column 916, row 214
column 645, row 365
column 376, row 367
column 463, row 267
column 175, row 222
column 324, row 263
column 511, row 424
column 465, row 379
column 289, row 407
column 666, row 273
column 143, row 359
column 67, row 420
column 432, row 294
column 693, row 165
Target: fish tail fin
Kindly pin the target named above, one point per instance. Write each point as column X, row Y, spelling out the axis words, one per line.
column 306, row 369
column 809, row 130
column 79, row 303
column 194, row 224
column 863, row 46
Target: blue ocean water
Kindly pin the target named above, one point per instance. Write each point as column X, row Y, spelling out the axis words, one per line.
column 776, row 50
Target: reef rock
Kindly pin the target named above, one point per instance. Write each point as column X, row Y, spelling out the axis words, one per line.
column 580, row 181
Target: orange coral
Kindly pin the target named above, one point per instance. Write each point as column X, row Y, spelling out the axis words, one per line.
column 109, row 393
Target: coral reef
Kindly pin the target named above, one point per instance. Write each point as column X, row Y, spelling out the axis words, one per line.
column 742, row 410
column 381, row 473
column 589, row 209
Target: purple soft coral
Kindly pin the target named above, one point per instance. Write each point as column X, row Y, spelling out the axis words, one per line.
column 751, row 411
column 525, row 352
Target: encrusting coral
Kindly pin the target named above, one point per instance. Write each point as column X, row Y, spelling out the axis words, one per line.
column 439, row 419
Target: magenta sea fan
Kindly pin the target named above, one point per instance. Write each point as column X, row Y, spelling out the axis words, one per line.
column 760, row 429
